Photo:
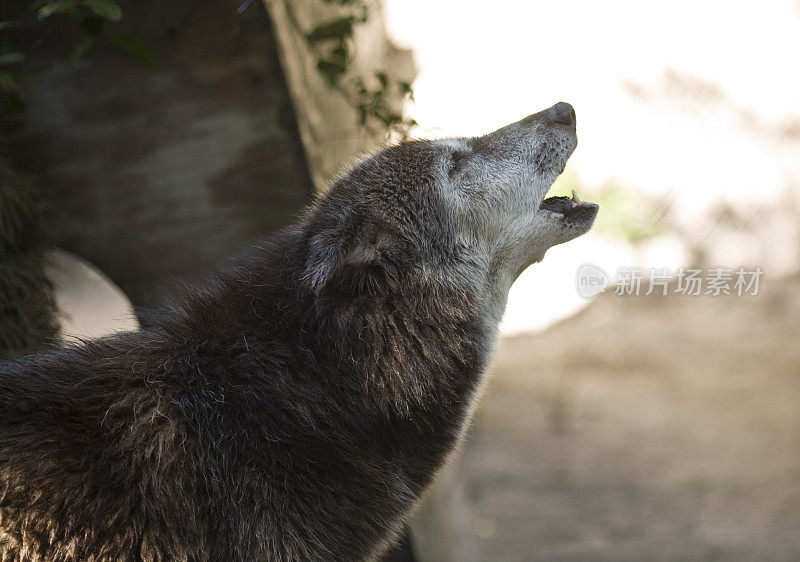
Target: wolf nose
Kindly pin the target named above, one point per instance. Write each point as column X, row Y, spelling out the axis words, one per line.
column 562, row 112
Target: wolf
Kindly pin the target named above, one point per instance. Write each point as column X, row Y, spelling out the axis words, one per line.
column 297, row 404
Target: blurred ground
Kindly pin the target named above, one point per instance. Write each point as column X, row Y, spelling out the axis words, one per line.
column 645, row 428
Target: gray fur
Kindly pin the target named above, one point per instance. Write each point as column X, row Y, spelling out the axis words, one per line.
column 298, row 404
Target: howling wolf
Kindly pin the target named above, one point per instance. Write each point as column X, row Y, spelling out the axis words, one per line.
column 297, row 404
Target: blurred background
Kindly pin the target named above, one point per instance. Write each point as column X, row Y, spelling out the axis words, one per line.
column 144, row 142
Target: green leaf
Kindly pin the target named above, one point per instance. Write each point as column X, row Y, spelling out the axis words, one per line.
column 341, row 52
column 106, row 9
column 389, row 119
column 57, row 7
column 133, row 46
column 12, row 57
column 360, row 87
column 383, row 79
column 332, row 70
column 10, row 23
column 406, row 89
column 80, row 48
column 7, row 80
column 339, row 28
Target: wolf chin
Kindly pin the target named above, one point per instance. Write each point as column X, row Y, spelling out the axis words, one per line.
column 297, row 404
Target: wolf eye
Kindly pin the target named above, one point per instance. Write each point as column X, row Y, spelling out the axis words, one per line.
column 456, row 162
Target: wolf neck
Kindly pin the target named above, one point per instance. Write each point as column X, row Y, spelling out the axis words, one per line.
column 421, row 346
column 384, row 382
column 418, row 346
column 414, row 361
column 417, row 349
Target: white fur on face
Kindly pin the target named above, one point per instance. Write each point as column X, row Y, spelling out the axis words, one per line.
column 494, row 186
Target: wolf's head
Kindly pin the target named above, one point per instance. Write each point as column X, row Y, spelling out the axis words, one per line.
column 465, row 210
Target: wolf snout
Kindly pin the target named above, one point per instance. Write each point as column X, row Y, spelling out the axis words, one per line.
column 562, row 112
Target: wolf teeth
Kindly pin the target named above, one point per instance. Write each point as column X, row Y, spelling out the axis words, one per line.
column 575, row 199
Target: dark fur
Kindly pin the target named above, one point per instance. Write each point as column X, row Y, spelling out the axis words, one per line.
column 293, row 408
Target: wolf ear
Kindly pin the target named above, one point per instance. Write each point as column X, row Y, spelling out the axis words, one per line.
column 342, row 265
column 325, row 250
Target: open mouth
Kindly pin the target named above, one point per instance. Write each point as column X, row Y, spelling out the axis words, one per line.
column 569, row 207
